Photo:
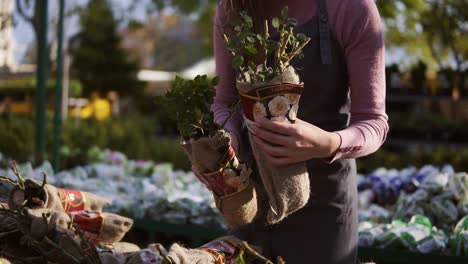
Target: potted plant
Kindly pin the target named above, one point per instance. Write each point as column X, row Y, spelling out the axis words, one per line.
column 269, row 87
column 208, row 147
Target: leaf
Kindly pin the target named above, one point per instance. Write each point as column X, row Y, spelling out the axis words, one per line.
column 301, row 37
column 237, row 61
column 275, row 23
column 292, row 22
column 251, row 50
column 285, row 13
column 215, row 81
column 248, row 19
column 237, row 28
column 233, row 45
column 250, row 39
column 260, row 37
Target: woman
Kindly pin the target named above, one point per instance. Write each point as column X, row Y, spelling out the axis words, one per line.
column 342, row 117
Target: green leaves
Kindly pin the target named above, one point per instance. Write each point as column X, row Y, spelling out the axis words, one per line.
column 188, row 104
column 253, row 49
column 285, row 13
column 237, row 61
column 301, row 37
column 275, row 23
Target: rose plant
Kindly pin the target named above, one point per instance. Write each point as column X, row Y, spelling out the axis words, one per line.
column 269, row 87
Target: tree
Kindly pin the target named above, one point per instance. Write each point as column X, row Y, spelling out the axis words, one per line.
column 444, row 23
column 433, row 30
column 98, row 61
column 202, row 10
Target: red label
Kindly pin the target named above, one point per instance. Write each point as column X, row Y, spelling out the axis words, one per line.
column 72, row 200
column 278, row 89
column 4, row 205
column 90, row 223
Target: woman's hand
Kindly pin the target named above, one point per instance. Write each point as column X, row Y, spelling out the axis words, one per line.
column 285, row 143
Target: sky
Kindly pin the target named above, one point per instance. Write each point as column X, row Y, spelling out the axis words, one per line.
column 24, row 35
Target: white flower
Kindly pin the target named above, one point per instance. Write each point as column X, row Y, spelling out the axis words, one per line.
column 229, row 173
column 279, row 106
column 293, row 112
column 235, row 162
column 293, row 98
column 278, row 118
column 259, row 110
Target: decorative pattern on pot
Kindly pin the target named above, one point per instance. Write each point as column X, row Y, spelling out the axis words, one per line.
column 279, row 102
column 231, row 178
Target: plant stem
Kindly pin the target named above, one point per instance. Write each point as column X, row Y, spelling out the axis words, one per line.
column 233, row 110
column 297, row 51
column 265, row 45
column 251, row 251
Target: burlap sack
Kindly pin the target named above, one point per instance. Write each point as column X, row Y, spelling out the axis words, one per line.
column 58, row 218
column 181, row 255
column 103, row 228
column 115, row 227
column 124, row 247
column 288, row 187
column 55, row 198
column 240, row 208
column 227, row 178
column 228, row 249
column 207, row 153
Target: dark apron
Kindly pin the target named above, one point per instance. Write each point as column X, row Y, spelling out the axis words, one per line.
column 325, row 230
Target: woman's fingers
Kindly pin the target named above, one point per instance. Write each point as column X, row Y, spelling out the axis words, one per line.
column 270, row 136
column 278, row 127
column 273, row 150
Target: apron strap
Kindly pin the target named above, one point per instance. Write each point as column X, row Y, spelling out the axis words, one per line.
column 324, row 31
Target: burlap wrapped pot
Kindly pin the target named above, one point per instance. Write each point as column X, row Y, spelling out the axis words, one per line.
column 54, row 198
column 228, row 179
column 287, row 186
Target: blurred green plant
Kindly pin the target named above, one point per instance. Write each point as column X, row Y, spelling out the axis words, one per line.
column 98, row 61
column 427, row 126
column 133, row 135
column 15, row 87
column 418, row 158
column 431, row 30
column 203, row 12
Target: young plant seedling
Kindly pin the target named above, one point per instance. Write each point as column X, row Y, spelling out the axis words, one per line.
column 188, row 104
column 257, row 56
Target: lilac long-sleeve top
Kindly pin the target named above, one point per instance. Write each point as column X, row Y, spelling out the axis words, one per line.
column 358, row 29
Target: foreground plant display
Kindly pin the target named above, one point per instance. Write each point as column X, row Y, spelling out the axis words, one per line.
column 269, row 87
column 53, row 226
column 391, row 204
column 137, row 189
